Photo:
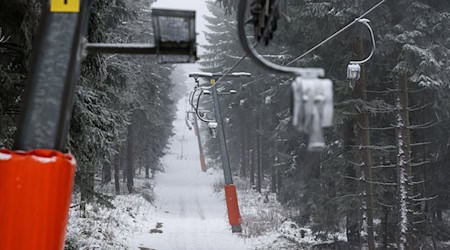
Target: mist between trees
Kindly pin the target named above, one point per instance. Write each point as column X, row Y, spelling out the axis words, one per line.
column 383, row 177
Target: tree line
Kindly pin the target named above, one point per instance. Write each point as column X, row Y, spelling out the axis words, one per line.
column 381, row 178
column 124, row 106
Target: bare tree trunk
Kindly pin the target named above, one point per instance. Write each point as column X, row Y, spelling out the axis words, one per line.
column 243, row 156
column 107, row 175
column 263, row 158
column 147, row 171
column 123, row 162
column 252, row 167
column 130, row 160
column 273, row 178
column 87, row 181
column 351, row 187
column 404, row 166
column 279, row 180
column 117, row 172
column 385, row 223
column 363, row 120
column 258, row 152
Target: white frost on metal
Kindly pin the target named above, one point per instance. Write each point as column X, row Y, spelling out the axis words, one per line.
column 200, row 74
column 44, row 160
column 5, row 157
column 241, row 74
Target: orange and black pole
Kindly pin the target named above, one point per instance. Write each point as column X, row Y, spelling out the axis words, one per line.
column 234, row 215
column 36, row 178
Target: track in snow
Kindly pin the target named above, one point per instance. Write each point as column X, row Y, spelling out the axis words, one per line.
column 191, row 216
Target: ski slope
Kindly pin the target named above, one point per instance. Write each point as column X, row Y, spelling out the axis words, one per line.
column 189, row 214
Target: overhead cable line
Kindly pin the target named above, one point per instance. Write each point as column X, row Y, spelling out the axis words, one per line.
column 329, row 38
column 337, row 33
column 313, row 48
column 231, row 69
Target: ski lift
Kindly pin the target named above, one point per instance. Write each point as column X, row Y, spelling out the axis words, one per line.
column 313, row 95
column 353, row 73
column 313, row 109
column 174, row 39
column 354, row 67
column 268, row 99
column 212, row 129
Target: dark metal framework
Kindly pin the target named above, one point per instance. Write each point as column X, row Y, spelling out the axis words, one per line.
column 49, row 94
column 174, row 39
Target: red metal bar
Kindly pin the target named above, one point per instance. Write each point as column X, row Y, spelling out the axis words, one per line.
column 36, row 188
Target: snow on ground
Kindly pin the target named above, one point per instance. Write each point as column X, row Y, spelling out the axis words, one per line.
column 189, row 211
column 189, row 214
column 108, row 228
column 266, row 223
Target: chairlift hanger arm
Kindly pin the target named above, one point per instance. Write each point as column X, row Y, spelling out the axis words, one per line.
column 366, row 22
column 197, row 110
column 251, row 52
column 260, row 60
column 191, row 98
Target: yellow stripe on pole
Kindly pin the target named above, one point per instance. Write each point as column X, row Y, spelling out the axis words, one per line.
column 212, row 81
column 65, row 5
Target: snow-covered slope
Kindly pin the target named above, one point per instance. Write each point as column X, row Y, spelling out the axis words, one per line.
column 189, row 215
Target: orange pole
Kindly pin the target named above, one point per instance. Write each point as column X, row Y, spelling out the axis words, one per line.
column 203, row 162
column 234, row 215
column 35, row 188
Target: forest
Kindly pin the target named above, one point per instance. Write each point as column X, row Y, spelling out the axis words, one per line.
column 382, row 176
column 382, row 179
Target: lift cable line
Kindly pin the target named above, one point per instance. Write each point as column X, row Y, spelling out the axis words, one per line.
column 281, row 68
column 312, row 94
column 231, row 69
column 197, row 112
column 315, row 47
column 337, row 33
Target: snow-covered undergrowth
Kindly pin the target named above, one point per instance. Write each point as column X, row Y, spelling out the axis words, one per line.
column 266, row 222
column 261, row 213
column 100, row 227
